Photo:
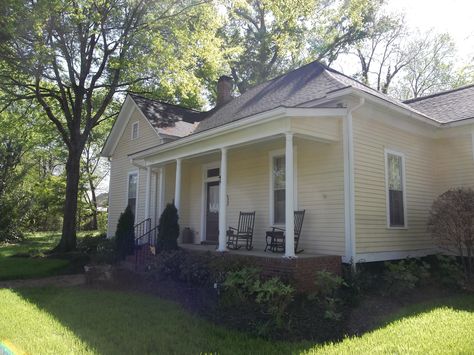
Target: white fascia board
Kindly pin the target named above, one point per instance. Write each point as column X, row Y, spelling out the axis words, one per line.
column 279, row 112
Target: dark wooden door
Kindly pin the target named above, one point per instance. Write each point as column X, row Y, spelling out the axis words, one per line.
column 212, row 211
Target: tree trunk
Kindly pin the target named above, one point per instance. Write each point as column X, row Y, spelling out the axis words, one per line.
column 68, row 237
column 95, row 224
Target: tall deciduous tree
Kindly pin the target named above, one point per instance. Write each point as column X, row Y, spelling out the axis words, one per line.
column 72, row 57
column 264, row 38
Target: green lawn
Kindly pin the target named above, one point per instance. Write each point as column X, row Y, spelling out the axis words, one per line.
column 79, row 321
column 13, row 266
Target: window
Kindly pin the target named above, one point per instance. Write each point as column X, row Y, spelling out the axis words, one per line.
column 213, row 172
column 395, row 175
column 132, row 191
column 135, row 130
column 278, row 189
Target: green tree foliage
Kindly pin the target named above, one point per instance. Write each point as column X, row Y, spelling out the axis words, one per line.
column 264, row 38
column 125, row 234
column 168, row 229
column 10, row 212
column 72, row 58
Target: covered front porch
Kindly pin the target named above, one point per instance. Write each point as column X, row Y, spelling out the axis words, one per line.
column 274, row 168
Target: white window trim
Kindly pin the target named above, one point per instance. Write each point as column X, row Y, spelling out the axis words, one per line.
column 205, row 180
column 278, row 153
column 387, row 199
column 137, row 172
column 138, row 130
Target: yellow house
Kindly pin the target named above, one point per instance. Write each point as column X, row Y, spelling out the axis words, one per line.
column 364, row 167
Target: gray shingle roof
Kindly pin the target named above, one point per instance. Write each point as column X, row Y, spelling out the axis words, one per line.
column 296, row 88
column 168, row 119
column 447, row 106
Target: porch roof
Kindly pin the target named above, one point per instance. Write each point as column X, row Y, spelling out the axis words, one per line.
column 314, row 123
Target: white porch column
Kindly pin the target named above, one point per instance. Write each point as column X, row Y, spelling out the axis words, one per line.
column 161, row 192
column 289, row 198
column 148, row 192
column 177, row 187
column 223, row 202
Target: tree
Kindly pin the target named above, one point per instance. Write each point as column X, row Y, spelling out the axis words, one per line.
column 431, row 67
column 73, row 57
column 451, row 223
column 382, row 55
column 265, row 38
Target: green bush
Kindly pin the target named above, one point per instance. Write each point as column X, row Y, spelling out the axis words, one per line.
column 106, row 252
column 168, row 229
column 402, row 276
column 327, row 294
column 447, row 271
column 125, row 234
column 266, row 301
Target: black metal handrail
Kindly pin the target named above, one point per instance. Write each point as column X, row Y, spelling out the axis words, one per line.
column 147, row 240
column 141, row 228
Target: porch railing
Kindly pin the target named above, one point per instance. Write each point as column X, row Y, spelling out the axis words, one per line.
column 141, row 228
column 144, row 245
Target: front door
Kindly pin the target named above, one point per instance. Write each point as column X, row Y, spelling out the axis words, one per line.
column 212, row 211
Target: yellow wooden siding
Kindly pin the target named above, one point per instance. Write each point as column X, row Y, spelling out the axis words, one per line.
column 320, row 192
column 455, row 161
column 120, row 167
column 371, row 138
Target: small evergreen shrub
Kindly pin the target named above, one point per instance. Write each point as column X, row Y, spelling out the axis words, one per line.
column 125, row 234
column 106, row 252
column 168, row 229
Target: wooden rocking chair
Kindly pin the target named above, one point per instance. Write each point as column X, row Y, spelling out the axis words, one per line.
column 276, row 237
column 244, row 231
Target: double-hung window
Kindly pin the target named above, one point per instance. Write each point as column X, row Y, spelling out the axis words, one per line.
column 132, row 191
column 395, row 175
column 135, row 130
column 278, row 189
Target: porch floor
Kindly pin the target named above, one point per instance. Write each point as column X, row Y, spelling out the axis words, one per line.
column 244, row 252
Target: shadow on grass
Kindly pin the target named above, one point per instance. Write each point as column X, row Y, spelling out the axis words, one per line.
column 121, row 322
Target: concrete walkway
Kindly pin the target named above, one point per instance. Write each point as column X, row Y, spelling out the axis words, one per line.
column 56, row 281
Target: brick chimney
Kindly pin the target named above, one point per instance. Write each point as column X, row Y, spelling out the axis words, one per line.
column 225, row 84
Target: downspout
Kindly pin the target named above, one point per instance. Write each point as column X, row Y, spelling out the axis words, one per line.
column 349, row 185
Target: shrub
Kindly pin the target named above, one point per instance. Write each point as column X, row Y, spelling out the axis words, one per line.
column 402, row 276
column 168, row 229
column 106, row 251
column 447, row 271
column 451, row 223
column 125, row 234
column 262, row 302
column 328, row 286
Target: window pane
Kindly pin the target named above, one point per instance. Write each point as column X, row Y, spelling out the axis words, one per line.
column 135, row 131
column 132, row 202
column 394, row 172
column 397, row 218
column 132, row 185
column 279, row 206
column 279, row 173
column 213, row 172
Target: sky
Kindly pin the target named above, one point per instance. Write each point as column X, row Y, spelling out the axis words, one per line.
column 453, row 16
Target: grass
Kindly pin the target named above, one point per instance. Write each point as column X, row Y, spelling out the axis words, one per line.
column 26, row 259
column 81, row 321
